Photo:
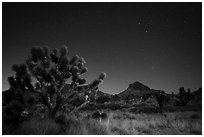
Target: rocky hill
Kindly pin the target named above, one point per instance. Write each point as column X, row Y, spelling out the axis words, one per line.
column 135, row 89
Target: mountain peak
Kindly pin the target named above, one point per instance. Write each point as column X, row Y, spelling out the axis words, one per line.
column 138, row 86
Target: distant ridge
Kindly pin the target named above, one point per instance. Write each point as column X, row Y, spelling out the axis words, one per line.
column 134, row 90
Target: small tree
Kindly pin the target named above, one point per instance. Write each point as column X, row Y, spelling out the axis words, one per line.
column 183, row 97
column 162, row 99
column 44, row 75
column 172, row 94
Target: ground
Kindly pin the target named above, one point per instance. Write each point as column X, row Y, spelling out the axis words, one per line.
column 119, row 122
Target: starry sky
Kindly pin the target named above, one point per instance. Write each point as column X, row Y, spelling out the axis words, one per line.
column 158, row 44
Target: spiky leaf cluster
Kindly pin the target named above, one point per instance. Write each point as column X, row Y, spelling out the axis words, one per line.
column 21, row 79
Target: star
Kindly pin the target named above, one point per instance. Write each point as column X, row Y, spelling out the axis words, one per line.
column 148, row 28
column 139, row 21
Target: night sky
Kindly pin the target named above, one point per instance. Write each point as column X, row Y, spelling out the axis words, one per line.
column 158, row 44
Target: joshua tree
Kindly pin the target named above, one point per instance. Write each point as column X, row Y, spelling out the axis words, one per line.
column 183, row 97
column 44, row 75
column 162, row 99
column 172, row 94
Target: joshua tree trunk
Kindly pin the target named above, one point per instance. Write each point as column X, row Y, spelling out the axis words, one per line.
column 161, row 107
column 56, row 108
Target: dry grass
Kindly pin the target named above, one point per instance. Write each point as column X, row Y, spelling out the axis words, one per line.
column 170, row 123
column 71, row 126
column 118, row 123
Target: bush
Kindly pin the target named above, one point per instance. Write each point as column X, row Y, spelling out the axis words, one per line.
column 38, row 127
column 183, row 97
column 195, row 116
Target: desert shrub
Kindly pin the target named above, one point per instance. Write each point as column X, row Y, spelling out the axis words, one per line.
column 195, row 116
column 170, row 108
column 93, row 107
column 38, row 127
column 102, row 99
column 144, row 109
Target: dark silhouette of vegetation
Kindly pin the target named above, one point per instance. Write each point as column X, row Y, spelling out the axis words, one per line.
column 102, row 99
column 183, row 97
column 99, row 115
column 41, row 79
column 172, row 94
column 162, row 99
